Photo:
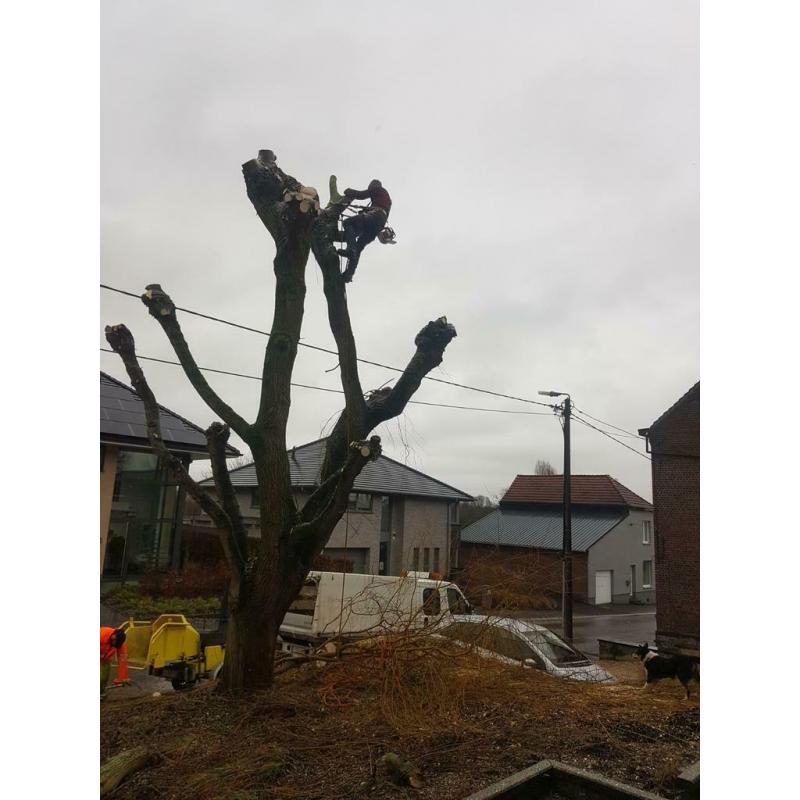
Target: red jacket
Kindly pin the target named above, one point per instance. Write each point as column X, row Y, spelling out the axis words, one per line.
column 379, row 197
column 107, row 652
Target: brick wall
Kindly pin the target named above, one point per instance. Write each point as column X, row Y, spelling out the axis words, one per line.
column 675, row 445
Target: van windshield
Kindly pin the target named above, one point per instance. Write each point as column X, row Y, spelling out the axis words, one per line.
column 554, row 648
column 456, row 603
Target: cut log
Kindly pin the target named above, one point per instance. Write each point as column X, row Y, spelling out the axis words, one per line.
column 120, row 766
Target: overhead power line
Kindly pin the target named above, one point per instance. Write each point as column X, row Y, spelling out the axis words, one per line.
column 338, row 391
column 613, row 438
column 608, row 424
column 334, row 353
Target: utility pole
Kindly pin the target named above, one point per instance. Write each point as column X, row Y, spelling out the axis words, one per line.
column 566, row 545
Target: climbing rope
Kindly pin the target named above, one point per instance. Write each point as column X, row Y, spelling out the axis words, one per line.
column 344, row 564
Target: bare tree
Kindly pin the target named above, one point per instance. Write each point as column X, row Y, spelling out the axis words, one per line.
column 544, row 468
column 478, row 508
column 263, row 585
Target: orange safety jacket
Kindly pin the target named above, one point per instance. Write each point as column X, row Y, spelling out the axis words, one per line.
column 107, row 652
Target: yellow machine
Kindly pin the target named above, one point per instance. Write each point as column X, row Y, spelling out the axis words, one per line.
column 171, row 648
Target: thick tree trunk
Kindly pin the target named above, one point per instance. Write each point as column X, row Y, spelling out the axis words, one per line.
column 250, row 649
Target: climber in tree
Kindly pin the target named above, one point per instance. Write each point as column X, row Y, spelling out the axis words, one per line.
column 362, row 229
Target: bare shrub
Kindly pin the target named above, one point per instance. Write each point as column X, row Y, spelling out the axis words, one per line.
column 510, row 581
column 195, row 580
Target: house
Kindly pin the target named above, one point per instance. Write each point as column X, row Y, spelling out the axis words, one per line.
column 611, row 537
column 141, row 504
column 674, row 442
column 398, row 518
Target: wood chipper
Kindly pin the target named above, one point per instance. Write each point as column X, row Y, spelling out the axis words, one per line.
column 171, row 648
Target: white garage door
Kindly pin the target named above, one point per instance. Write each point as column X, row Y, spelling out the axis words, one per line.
column 602, row 587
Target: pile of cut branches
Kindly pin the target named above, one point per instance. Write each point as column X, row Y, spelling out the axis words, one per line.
column 461, row 720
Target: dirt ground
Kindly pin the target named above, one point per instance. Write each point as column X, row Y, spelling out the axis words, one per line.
column 322, row 730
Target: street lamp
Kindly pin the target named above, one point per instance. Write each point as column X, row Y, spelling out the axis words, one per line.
column 566, row 593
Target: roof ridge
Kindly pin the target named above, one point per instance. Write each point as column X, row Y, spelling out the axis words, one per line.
column 463, row 494
column 561, row 475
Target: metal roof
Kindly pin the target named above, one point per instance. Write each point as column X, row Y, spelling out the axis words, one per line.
column 542, row 528
column 382, row 476
column 122, row 419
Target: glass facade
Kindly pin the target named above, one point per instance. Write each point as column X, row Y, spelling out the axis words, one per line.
column 144, row 516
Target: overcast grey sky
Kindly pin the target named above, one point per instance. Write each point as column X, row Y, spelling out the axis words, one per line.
column 543, row 162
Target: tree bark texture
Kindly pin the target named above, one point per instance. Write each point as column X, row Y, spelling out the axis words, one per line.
column 264, row 585
column 120, row 766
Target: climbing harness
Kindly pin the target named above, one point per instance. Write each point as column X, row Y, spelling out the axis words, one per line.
column 386, row 235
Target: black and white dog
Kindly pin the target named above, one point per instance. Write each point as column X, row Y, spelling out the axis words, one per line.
column 668, row 666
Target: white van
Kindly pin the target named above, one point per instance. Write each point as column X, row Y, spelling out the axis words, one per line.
column 333, row 604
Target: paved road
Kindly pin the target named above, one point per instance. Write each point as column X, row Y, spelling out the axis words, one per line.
column 627, row 626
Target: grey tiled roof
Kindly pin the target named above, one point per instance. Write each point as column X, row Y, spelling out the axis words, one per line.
column 122, row 419
column 382, row 476
column 541, row 528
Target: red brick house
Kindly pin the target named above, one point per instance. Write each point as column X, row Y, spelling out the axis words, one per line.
column 611, row 538
column 674, row 441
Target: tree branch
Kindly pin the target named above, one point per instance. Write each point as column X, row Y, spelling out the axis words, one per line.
column 288, row 210
column 327, row 504
column 217, row 438
column 122, row 343
column 266, row 186
column 384, row 404
column 322, row 244
column 431, row 342
column 160, row 306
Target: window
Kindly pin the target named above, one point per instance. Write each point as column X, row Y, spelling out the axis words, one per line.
column 647, row 574
column 435, row 559
column 431, row 602
column 646, row 531
column 507, row 644
column 553, row 648
column 467, row 632
column 386, row 515
column 415, row 562
column 456, row 602
column 383, row 557
column 254, row 501
column 426, row 559
column 453, row 513
column 359, row 502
